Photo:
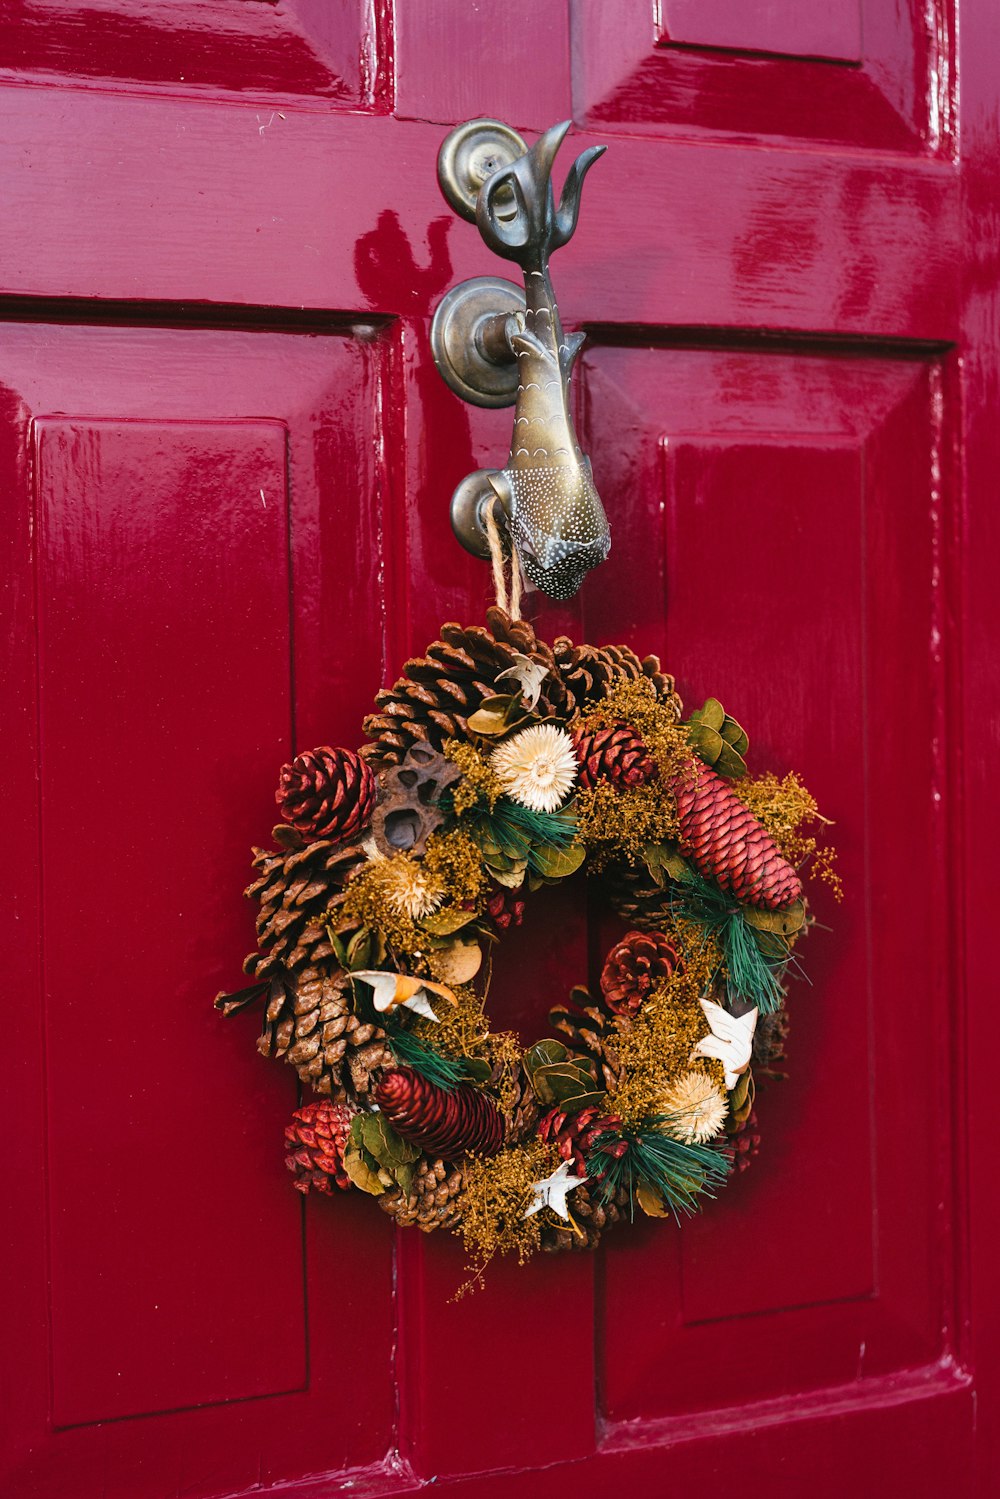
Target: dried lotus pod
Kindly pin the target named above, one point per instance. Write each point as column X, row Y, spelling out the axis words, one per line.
column 408, row 808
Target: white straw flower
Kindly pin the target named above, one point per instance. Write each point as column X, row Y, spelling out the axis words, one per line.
column 537, row 767
column 695, row 1108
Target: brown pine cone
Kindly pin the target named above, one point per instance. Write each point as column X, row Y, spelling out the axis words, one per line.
column 587, row 1026
column 327, row 793
column 574, row 1134
column 432, row 1201
column 314, row 1146
column 437, row 692
column 639, row 963
column 592, row 1217
column 728, row 845
column 461, row 1121
column 770, row 1041
column 521, row 1118
column 299, row 887
column 636, row 897
column 590, row 671
column 617, row 755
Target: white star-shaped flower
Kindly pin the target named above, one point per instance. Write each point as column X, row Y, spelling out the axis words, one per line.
column 393, row 991
column 529, row 676
column 731, row 1041
column 553, row 1191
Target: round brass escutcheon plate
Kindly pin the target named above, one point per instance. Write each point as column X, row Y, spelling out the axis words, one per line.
column 470, row 154
column 457, row 345
column 468, row 511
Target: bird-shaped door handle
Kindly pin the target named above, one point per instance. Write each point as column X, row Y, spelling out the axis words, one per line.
column 496, row 346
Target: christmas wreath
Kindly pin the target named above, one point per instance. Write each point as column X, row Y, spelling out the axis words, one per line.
column 497, row 765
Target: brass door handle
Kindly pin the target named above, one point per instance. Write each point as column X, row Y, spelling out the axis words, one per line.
column 495, row 346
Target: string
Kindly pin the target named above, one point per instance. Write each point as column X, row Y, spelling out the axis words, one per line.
column 509, row 601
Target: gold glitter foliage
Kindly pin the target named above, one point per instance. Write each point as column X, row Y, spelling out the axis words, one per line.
column 783, row 807
column 497, row 1191
column 479, row 783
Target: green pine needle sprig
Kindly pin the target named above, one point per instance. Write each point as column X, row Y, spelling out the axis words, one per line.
column 409, row 1051
column 678, row 1173
column 755, row 961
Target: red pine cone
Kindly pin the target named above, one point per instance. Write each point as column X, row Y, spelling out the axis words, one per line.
column 633, row 969
column 315, row 1142
column 617, row 755
column 464, row 1121
column 574, row 1134
column 728, row 844
column 505, row 908
column 740, row 1149
column 327, row 793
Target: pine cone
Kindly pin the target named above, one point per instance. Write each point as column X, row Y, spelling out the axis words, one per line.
column 462, row 1121
column 298, row 886
column 770, row 1040
column 634, row 968
column 438, row 691
column 314, row 1145
column 592, row 1217
column 521, row 1118
column 505, row 908
column 617, row 755
column 588, row 1027
column 574, row 1134
column 635, row 896
column 740, row 1149
column 728, row 845
column 433, row 1200
column 327, row 793
column 590, row 671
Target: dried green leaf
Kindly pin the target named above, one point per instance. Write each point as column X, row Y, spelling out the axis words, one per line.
column 458, row 963
column 557, row 863
column 444, row 923
column 543, row 1053
column 782, row 923
column 651, row 1202
column 382, row 1142
column 361, row 1173
column 730, row 764
column 485, row 722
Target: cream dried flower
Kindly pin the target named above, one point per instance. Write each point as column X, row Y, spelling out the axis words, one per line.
column 536, row 767
column 408, row 888
column 695, row 1108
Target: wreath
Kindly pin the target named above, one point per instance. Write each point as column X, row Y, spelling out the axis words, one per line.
column 497, row 765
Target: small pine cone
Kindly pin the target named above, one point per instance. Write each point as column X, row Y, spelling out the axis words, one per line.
column 327, row 793
column 592, row 1217
column 314, row 1146
column 433, row 698
column 728, row 845
column 589, row 1027
column 770, row 1040
column 505, row 908
column 590, row 671
column 574, row 1134
column 740, row 1149
column 617, row 755
column 635, row 896
column 634, row 968
column 451, row 1124
column 432, row 1201
column 521, row 1118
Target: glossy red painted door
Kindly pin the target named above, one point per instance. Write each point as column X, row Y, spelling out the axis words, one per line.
column 226, row 461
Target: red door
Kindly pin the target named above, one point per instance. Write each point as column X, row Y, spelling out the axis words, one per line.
column 225, row 451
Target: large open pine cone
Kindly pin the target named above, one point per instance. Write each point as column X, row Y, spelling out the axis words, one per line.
column 617, row 755
column 589, row 671
column 314, row 1146
column 327, row 793
column 639, row 963
column 449, row 1123
column 432, row 1201
column 297, row 886
column 574, row 1134
column 728, row 845
column 437, row 692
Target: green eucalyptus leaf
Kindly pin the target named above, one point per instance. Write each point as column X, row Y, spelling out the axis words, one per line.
column 479, row 1071
column 729, row 763
column 783, row 923
column 665, row 863
column 444, row 923
column 543, row 1053
column 557, row 863
column 712, row 714
column 381, row 1141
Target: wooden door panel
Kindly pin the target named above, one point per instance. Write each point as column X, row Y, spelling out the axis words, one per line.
column 751, row 476
column 194, row 497
column 632, row 72
column 830, row 31
column 253, row 47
